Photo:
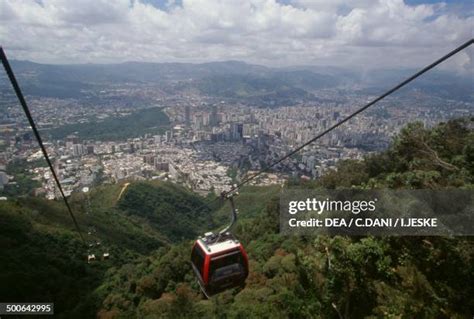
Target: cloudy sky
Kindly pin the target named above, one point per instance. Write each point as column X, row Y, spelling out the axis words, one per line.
column 370, row 33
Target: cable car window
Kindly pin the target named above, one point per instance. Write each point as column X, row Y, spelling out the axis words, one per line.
column 232, row 259
column 197, row 258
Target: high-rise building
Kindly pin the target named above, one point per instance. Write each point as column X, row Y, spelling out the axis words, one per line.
column 90, row 149
column 71, row 140
column 206, row 119
column 77, row 150
column 187, row 115
column 247, row 130
column 198, row 121
column 169, row 135
column 237, row 131
column 213, row 118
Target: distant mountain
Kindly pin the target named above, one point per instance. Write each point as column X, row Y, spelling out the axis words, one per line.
column 269, row 90
column 228, row 79
column 131, row 71
column 436, row 82
column 221, row 79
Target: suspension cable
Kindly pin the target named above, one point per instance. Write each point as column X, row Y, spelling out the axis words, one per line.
column 247, row 180
column 26, row 109
column 360, row 110
column 357, row 112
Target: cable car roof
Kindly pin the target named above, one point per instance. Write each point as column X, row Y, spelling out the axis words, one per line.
column 219, row 247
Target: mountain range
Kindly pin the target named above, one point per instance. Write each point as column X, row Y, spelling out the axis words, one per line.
column 229, row 79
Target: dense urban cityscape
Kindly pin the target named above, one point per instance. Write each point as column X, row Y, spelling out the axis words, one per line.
column 204, row 142
column 237, row 159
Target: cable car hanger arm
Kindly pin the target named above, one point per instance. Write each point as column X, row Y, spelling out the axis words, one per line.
column 233, row 219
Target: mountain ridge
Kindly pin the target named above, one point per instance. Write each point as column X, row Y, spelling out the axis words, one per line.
column 73, row 80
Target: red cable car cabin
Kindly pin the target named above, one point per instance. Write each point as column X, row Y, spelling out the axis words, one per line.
column 220, row 262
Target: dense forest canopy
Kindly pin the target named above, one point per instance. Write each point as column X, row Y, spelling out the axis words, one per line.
column 149, row 275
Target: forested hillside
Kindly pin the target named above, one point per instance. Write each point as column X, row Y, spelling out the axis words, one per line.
column 325, row 277
column 42, row 258
column 149, row 233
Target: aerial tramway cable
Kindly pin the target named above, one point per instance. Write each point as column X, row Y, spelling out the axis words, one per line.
column 220, row 261
column 224, row 194
column 22, row 100
column 358, row 111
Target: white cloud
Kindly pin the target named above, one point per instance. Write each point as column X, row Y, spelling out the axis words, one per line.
column 361, row 32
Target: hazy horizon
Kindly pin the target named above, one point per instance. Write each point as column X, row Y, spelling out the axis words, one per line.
column 388, row 34
column 307, row 67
